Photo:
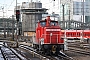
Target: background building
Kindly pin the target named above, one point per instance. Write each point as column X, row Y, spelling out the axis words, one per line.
column 31, row 13
column 74, row 12
column 68, row 9
column 78, row 11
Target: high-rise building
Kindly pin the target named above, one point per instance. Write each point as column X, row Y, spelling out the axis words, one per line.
column 78, row 8
column 75, row 10
column 87, row 11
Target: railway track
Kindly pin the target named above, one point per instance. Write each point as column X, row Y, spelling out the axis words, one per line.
column 41, row 56
column 78, row 50
column 64, row 56
column 79, row 45
column 61, row 56
column 8, row 54
column 35, row 53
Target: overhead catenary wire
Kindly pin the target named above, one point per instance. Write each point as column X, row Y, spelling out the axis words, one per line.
column 11, row 4
column 6, row 6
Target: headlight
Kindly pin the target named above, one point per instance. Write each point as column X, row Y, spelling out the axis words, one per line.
column 42, row 41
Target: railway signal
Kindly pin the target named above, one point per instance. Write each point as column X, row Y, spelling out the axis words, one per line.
column 17, row 18
column 17, row 15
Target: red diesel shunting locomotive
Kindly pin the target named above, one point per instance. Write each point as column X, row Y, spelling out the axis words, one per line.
column 48, row 36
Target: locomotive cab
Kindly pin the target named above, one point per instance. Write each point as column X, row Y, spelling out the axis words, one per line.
column 47, row 23
column 48, row 36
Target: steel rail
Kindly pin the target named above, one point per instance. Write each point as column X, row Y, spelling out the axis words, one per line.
column 79, row 51
column 61, row 56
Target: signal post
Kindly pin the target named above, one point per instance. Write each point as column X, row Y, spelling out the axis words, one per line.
column 17, row 32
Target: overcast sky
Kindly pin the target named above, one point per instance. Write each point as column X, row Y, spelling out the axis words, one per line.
column 10, row 4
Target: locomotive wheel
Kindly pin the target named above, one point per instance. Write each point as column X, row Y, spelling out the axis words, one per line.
column 35, row 46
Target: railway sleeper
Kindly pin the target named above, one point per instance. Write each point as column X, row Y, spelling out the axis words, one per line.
column 8, row 54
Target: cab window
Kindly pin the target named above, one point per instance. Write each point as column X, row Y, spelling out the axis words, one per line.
column 53, row 23
column 43, row 24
